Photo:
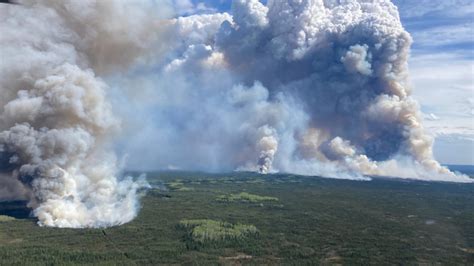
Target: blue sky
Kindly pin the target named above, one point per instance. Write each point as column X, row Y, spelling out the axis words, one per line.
column 441, row 67
column 442, row 72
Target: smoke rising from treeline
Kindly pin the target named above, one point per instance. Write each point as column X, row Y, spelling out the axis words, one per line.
column 310, row 87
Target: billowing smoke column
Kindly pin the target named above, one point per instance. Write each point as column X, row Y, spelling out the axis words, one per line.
column 316, row 87
column 347, row 63
column 55, row 119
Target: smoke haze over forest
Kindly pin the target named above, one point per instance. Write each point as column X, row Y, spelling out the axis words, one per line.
column 312, row 87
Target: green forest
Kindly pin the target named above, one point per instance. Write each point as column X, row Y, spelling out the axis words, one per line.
column 252, row 219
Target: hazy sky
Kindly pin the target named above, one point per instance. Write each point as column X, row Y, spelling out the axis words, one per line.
column 441, row 64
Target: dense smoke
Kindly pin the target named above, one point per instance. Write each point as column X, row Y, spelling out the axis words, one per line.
column 56, row 121
column 314, row 87
column 309, row 87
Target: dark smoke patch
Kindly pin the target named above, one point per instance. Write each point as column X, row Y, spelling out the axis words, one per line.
column 17, row 209
column 384, row 145
column 11, row 188
column 6, row 164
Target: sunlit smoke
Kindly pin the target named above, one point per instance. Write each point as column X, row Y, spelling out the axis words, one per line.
column 56, row 122
column 314, row 87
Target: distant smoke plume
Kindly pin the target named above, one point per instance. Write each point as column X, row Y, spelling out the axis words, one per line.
column 310, row 87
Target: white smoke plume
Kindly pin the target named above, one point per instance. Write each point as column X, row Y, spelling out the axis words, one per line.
column 56, row 121
column 315, row 87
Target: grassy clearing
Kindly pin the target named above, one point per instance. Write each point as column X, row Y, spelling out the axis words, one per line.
column 205, row 230
column 178, row 185
column 245, row 197
column 5, row 218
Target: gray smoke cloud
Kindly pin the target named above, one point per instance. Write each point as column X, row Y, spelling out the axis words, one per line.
column 314, row 87
column 56, row 121
column 311, row 87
